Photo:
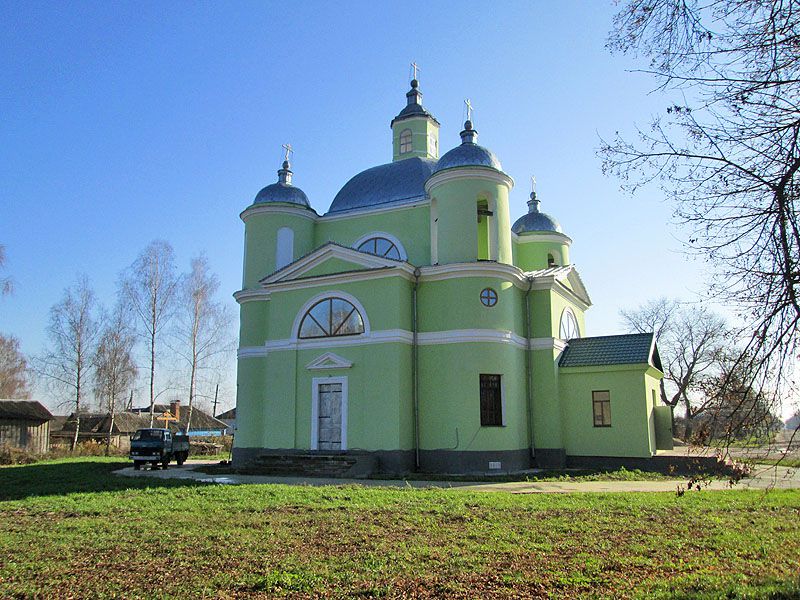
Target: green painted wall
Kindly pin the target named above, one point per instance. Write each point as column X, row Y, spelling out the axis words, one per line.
column 333, row 265
column 455, row 304
column 421, row 129
column 532, row 255
column 260, row 242
column 631, row 407
column 547, row 409
column 450, row 397
column 457, row 224
column 410, row 225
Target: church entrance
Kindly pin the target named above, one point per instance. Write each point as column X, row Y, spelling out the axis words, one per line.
column 329, row 414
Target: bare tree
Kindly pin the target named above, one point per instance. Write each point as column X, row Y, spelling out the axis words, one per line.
column 72, row 333
column 203, row 328
column 149, row 288
column 115, row 369
column 13, row 369
column 690, row 342
column 726, row 152
column 6, row 285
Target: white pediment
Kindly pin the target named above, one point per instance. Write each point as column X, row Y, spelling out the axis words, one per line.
column 329, row 360
column 359, row 260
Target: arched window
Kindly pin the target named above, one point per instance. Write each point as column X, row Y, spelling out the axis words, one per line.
column 551, row 262
column 569, row 325
column 284, row 247
column 380, row 246
column 405, row 141
column 331, row 317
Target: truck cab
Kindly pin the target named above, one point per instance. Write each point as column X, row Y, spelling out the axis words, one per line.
column 158, row 447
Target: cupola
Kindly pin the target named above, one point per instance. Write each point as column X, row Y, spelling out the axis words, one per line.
column 283, row 191
column 415, row 131
column 469, row 153
column 535, row 220
column 539, row 240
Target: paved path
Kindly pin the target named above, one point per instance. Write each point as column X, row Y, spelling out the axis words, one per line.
column 767, row 477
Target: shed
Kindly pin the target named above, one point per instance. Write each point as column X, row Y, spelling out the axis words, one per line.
column 25, row 424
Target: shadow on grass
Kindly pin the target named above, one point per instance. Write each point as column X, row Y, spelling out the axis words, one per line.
column 69, row 477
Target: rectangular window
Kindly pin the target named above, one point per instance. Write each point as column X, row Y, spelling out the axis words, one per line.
column 491, row 401
column 601, row 407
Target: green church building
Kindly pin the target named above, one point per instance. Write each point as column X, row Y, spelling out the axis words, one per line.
column 414, row 327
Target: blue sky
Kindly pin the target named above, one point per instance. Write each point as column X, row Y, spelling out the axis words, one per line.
column 124, row 122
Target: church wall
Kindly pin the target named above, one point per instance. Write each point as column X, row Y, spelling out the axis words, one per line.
column 261, row 235
column 450, row 399
column 546, row 408
column 250, row 389
column 410, row 225
column 455, row 304
column 630, row 433
column 532, row 255
column 253, row 319
column 421, row 129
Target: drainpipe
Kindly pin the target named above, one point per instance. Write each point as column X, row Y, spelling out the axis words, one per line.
column 415, row 367
column 529, row 364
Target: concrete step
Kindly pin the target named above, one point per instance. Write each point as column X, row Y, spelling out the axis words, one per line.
column 312, row 465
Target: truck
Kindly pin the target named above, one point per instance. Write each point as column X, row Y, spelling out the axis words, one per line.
column 158, row 447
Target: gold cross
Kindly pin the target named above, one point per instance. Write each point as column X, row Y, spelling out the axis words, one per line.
column 288, row 148
column 416, row 68
column 167, row 417
column 469, row 109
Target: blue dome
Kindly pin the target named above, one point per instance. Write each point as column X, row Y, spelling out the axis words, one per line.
column 282, row 192
column 535, row 220
column 397, row 182
column 468, row 154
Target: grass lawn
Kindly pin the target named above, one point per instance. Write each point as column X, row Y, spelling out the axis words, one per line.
column 72, row 529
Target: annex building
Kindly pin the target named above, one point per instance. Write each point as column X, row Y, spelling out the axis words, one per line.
column 414, row 324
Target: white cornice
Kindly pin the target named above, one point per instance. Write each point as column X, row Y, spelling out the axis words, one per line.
column 455, row 173
column 427, row 338
column 286, row 209
column 364, row 212
column 338, row 278
column 243, row 296
column 552, row 236
column 474, row 269
column 327, row 361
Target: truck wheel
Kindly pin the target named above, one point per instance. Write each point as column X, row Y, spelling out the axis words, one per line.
column 154, row 465
column 165, row 463
column 137, row 465
column 181, row 458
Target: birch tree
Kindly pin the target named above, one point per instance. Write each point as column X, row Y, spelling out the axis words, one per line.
column 149, row 289
column 115, row 369
column 13, row 369
column 203, row 328
column 72, row 334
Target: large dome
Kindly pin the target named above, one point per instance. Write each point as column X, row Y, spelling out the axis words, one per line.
column 397, row 182
column 283, row 190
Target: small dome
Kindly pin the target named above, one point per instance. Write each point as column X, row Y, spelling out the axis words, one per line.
column 535, row 220
column 283, row 190
column 468, row 154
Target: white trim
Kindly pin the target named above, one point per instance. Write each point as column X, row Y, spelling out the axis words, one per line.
column 494, row 175
column 402, row 336
column 329, row 294
column 286, row 209
column 460, row 336
column 474, row 269
column 326, row 252
column 329, row 360
column 400, row 248
column 243, row 296
column 337, row 278
column 315, row 381
column 551, row 236
column 346, row 214
column 568, row 311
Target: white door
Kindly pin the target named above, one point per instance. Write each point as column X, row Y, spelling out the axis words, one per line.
column 329, row 414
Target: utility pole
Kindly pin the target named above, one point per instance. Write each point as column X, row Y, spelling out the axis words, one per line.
column 216, row 393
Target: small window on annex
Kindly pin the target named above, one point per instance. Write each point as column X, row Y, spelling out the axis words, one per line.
column 405, row 141
column 331, row 317
column 380, row 246
column 491, row 401
column 601, row 407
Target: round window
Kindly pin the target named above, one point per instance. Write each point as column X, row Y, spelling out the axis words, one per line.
column 488, row 297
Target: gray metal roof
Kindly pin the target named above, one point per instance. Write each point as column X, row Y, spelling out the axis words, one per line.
column 535, row 222
column 24, row 410
column 633, row 348
column 282, row 192
column 469, row 153
column 397, row 182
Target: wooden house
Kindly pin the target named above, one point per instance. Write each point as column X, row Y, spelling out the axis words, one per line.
column 25, row 424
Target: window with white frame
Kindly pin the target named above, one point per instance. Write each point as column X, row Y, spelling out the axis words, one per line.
column 405, row 141
column 491, row 401
column 380, row 246
column 331, row 317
